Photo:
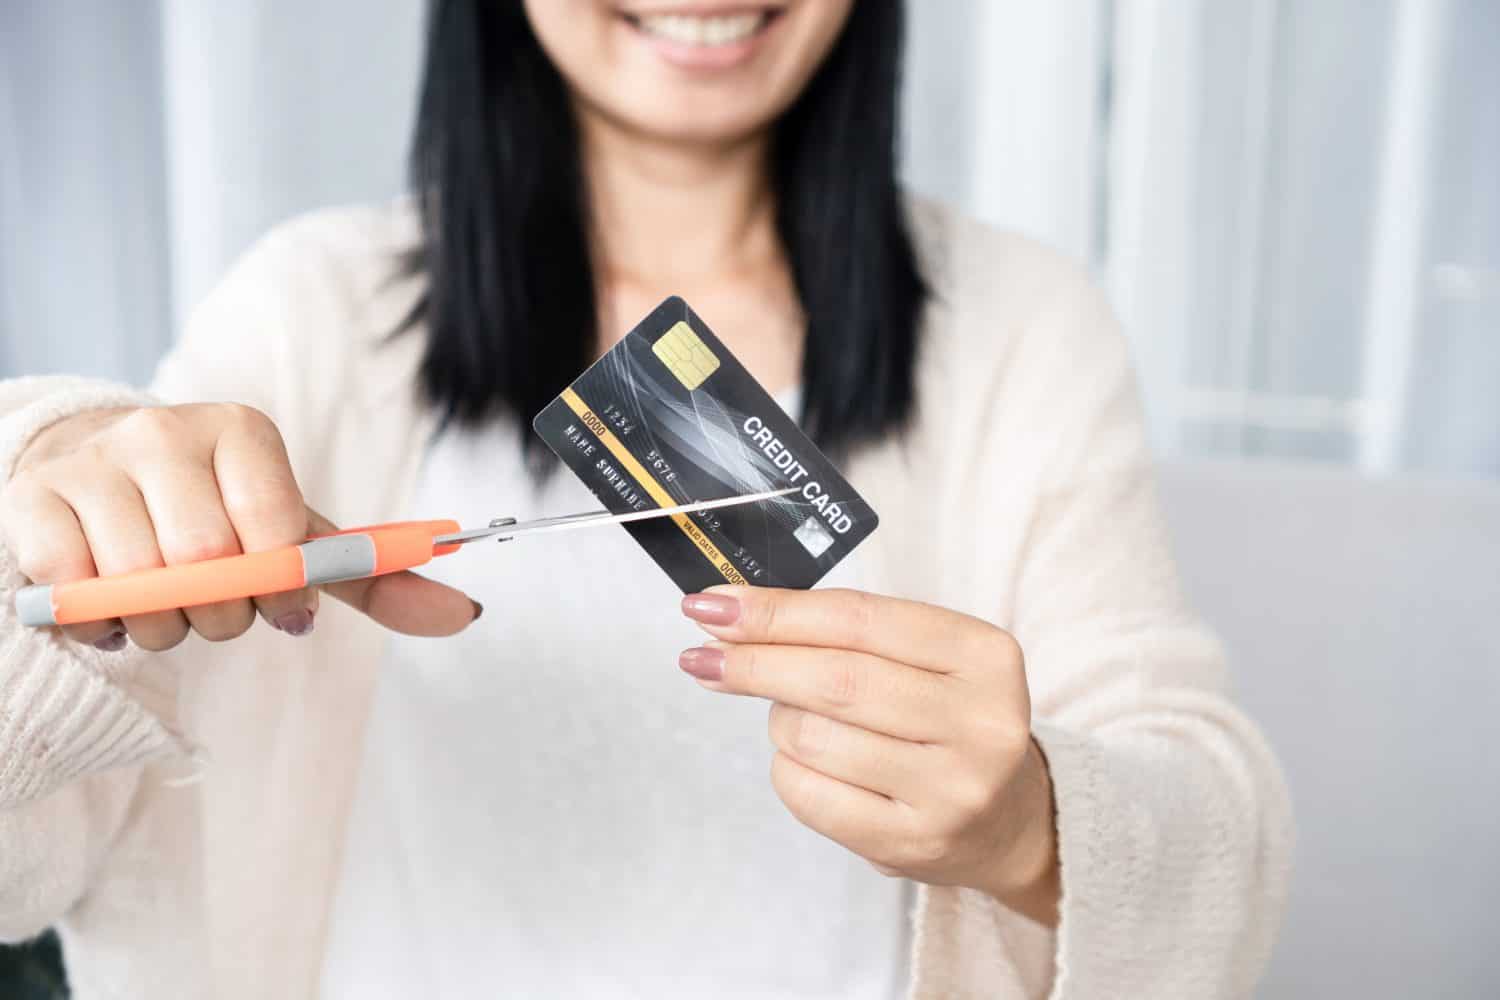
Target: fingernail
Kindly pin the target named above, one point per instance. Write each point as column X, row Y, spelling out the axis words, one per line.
column 295, row 622
column 711, row 609
column 478, row 609
column 703, row 662
column 112, row 643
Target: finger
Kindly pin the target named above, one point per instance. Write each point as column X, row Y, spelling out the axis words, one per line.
column 183, row 501
column 868, row 824
column 122, row 539
column 922, row 635
column 264, row 505
column 857, row 688
column 404, row 602
column 897, row 769
column 53, row 549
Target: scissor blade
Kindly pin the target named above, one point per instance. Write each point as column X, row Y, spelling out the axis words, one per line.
column 589, row 519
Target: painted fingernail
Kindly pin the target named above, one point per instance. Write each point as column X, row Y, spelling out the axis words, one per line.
column 295, row 622
column 703, row 662
column 478, row 609
column 711, row 609
column 112, row 643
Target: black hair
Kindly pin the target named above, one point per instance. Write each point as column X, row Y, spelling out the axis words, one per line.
column 510, row 303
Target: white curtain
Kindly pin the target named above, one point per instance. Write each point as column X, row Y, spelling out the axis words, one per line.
column 82, row 189
column 1305, row 226
column 308, row 103
column 144, row 145
column 1292, row 204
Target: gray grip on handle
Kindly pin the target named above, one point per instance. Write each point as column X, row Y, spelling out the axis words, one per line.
column 336, row 558
column 34, row 606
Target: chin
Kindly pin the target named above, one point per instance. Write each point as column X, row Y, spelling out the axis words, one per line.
column 717, row 130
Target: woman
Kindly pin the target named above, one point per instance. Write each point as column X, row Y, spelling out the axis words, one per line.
column 1000, row 718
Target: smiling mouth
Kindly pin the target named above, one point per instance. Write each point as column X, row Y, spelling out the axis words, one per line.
column 703, row 30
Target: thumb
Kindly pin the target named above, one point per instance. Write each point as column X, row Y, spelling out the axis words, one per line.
column 408, row 603
column 403, row 602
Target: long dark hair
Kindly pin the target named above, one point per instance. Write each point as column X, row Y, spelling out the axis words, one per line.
column 510, row 304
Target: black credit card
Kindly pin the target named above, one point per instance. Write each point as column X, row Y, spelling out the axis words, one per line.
column 668, row 417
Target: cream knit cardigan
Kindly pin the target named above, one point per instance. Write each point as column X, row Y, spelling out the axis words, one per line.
column 180, row 817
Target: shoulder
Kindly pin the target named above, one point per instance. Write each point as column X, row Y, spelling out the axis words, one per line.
column 952, row 243
column 303, row 313
column 346, row 232
column 993, row 283
column 1009, row 305
column 350, row 260
column 1020, row 336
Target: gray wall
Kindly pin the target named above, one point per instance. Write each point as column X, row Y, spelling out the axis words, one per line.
column 1361, row 618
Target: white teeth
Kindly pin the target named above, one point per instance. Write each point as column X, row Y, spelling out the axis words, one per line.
column 690, row 30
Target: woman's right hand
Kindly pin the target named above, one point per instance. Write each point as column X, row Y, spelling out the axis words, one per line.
column 112, row 491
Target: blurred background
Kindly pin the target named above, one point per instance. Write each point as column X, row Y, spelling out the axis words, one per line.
column 1295, row 207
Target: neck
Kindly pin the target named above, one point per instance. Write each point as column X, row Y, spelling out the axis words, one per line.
column 676, row 213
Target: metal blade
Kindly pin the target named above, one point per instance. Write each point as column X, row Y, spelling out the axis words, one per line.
column 588, row 519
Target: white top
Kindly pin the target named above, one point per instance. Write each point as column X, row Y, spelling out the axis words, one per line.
column 1022, row 493
column 626, row 841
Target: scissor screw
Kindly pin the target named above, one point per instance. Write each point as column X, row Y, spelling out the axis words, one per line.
column 501, row 522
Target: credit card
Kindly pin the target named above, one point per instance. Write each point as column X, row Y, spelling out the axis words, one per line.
column 669, row 416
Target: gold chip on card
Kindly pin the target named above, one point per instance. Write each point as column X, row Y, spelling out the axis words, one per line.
column 685, row 355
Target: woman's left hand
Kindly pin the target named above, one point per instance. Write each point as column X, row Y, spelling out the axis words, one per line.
column 902, row 732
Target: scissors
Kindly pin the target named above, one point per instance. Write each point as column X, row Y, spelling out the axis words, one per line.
column 352, row 554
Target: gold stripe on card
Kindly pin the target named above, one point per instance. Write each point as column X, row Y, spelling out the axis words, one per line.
column 617, row 448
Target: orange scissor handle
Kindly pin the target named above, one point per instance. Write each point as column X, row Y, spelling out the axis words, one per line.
column 352, row 554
